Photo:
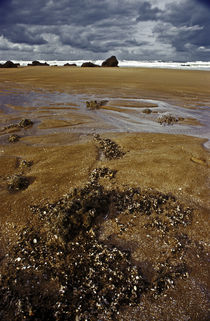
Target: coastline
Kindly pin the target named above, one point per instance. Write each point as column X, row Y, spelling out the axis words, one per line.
column 168, row 163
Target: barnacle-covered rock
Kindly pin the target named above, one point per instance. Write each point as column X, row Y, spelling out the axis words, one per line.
column 147, row 111
column 14, row 138
column 60, row 269
column 109, row 148
column 24, row 163
column 17, row 182
column 167, row 119
column 24, row 123
column 94, row 104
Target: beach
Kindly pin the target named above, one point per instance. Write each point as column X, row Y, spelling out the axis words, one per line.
column 160, row 161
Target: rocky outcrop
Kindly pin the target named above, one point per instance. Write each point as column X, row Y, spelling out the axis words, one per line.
column 70, row 65
column 38, row 63
column 89, row 64
column 110, row 62
column 9, row 64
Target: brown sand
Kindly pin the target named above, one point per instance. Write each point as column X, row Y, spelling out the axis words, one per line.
column 189, row 87
column 167, row 163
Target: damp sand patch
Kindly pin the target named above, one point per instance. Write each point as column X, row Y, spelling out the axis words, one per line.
column 131, row 103
column 57, row 123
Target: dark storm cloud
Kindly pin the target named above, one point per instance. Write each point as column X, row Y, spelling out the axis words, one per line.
column 128, row 28
column 146, row 12
column 205, row 2
column 185, row 25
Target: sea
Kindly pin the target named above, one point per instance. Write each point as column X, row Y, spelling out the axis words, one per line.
column 192, row 65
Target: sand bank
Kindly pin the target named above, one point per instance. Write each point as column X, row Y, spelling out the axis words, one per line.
column 191, row 87
column 62, row 159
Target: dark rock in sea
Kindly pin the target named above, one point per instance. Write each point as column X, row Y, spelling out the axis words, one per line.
column 110, row 62
column 9, row 64
column 89, row 64
column 13, row 138
column 37, row 63
column 24, row 123
column 69, row 65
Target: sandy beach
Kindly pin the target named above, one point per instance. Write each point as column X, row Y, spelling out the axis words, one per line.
column 164, row 161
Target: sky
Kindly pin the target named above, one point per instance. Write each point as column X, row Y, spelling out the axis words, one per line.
column 168, row 30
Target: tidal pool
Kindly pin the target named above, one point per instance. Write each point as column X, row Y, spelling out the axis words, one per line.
column 39, row 105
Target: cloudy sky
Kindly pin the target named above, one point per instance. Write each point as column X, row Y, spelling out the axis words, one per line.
column 177, row 30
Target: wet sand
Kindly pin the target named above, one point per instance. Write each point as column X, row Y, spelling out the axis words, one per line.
column 64, row 153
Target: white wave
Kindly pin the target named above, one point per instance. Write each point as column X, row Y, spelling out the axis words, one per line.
column 192, row 65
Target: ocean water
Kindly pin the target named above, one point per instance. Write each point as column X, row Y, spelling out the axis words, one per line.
column 192, row 65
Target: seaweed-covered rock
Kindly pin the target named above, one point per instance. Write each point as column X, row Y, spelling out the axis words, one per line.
column 14, row 138
column 167, row 119
column 110, row 62
column 24, row 123
column 89, row 64
column 16, row 183
column 94, row 104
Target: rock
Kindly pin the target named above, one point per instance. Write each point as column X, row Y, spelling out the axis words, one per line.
column 146, row 111
column 13, row 138
column 110, row 62
column 25, row 123
column 89, row 64
column 9, row 64
column 69, row 65
column 37, row 63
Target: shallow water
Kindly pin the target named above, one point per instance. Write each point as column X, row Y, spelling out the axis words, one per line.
column 20, row 103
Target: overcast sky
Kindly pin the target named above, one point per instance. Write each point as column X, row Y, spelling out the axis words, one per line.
column 177, row 30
